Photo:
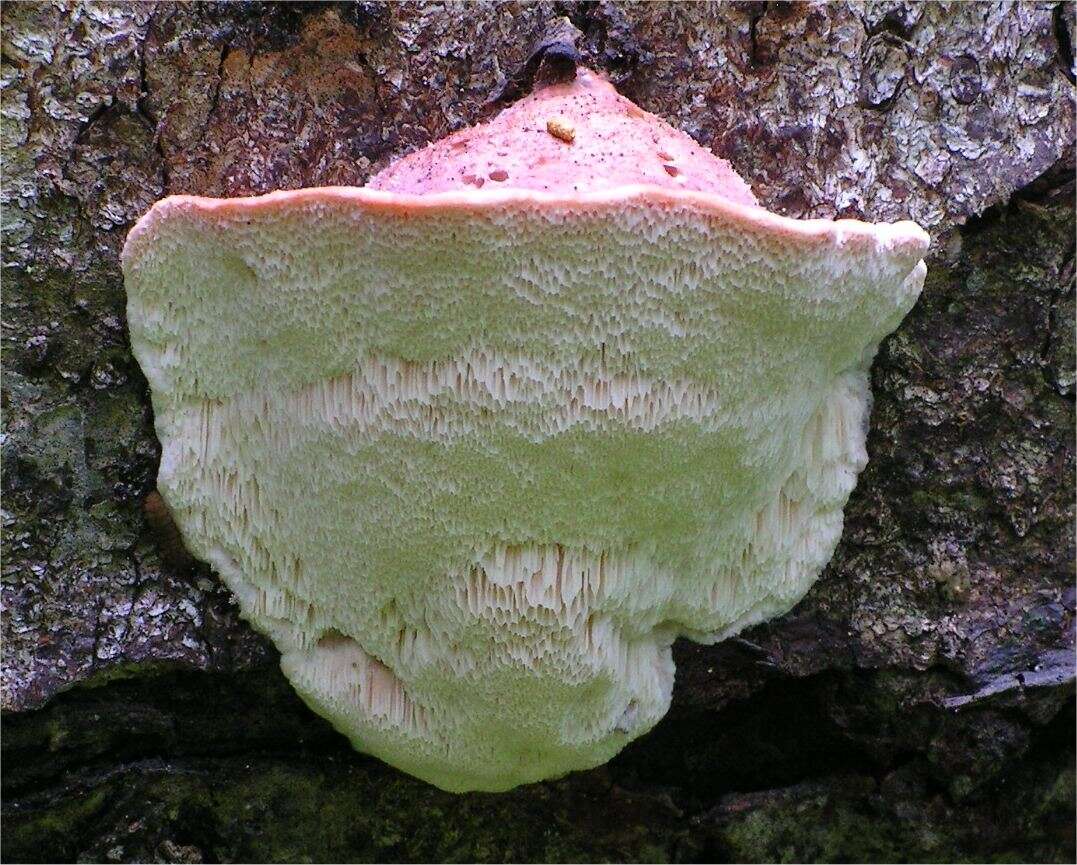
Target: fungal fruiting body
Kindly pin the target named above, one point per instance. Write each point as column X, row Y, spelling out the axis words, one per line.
column 474, row 444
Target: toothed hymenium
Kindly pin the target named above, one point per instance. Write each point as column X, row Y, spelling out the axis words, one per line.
column 475, row 443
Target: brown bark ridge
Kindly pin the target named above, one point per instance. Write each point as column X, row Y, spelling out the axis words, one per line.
column 918, row 704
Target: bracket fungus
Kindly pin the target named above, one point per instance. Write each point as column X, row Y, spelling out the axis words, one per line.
column 476, row 443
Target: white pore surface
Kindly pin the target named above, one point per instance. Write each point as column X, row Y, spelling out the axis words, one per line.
column 475, row 461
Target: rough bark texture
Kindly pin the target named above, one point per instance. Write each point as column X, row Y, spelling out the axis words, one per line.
column 917, row 705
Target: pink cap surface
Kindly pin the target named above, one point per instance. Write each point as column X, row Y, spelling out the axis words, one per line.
column 599, row 140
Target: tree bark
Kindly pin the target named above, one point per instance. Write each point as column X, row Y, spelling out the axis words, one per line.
column 918, row 704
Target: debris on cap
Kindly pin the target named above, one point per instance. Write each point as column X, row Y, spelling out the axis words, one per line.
column 561, row 129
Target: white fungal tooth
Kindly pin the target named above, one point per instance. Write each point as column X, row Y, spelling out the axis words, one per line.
column 474, row 458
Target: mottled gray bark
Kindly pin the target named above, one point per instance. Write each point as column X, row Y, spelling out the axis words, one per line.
column 918, row 704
